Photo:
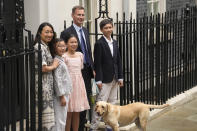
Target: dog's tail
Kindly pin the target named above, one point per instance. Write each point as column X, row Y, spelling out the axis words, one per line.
column 158, row 106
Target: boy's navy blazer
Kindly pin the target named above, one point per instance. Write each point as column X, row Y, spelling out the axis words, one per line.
column 72, row 30
column 107, row 66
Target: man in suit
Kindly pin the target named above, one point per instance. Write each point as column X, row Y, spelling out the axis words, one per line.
column 108, row 68
column 78, row 15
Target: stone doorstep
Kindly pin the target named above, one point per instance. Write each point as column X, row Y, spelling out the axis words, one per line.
column 173, row 102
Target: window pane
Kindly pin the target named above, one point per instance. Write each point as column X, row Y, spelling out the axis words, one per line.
column 149, row 10
column 155, row 7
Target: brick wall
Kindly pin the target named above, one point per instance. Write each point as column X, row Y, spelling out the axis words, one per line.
column 178, row 4
column 141, row 5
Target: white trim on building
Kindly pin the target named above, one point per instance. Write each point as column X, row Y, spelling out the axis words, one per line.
column 55, row 12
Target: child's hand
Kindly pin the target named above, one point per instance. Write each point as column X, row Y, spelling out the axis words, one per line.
column 62, row 101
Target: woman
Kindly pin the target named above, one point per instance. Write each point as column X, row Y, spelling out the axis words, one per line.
column 46, row 37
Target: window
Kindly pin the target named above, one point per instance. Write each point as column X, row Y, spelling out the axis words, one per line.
column 87, row 5
column 153, row 7
column 90, row 14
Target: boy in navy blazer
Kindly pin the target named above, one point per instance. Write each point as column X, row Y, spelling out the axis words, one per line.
column 108, row 68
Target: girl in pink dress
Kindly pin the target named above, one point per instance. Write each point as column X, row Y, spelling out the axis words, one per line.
column 78, row 99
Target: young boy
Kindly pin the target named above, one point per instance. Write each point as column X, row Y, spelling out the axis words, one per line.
column 108, row 68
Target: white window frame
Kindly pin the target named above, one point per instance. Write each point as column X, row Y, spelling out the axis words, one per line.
column 87, row 4
column 152, row 2
column 161, row 5
column 91, row 13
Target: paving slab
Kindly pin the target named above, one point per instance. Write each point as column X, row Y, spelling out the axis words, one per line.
column 181, row 115
column 181, row 118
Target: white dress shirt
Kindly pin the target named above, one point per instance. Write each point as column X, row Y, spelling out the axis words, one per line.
column 110, row 43
column 77, row 28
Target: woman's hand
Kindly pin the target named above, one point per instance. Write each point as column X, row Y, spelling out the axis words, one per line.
column 49, row 68
column 62, row 101
column 55, row 64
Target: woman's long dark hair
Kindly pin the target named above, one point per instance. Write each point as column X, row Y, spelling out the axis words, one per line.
column 38, row 38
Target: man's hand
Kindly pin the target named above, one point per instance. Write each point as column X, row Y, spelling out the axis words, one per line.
column 120, row 83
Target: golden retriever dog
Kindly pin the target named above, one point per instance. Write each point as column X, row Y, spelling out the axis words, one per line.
column 115, row 115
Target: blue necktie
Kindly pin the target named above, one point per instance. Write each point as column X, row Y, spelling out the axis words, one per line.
column 84, row 50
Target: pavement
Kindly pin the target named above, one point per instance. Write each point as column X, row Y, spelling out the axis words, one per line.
column 181, row 118
column 181, row 115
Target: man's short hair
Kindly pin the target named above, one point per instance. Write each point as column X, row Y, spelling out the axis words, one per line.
column 105, row 22
column 77, row 7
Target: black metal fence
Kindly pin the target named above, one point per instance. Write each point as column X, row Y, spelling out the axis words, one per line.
column 17, row 71
column 159, row 55
column 17, row 88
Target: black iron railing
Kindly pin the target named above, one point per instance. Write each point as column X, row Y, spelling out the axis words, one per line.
column 159, row 56
column 17, row 71
column 17, row 88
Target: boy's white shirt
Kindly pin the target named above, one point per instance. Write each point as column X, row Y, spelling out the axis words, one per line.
column 110, row 43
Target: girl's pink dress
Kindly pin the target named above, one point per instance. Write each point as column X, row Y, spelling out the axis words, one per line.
column 78, row 100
